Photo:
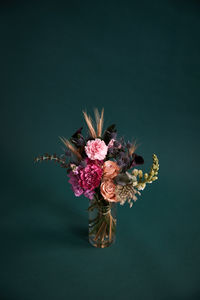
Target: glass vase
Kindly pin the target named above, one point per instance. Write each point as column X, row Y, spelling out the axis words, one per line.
column 102, row 222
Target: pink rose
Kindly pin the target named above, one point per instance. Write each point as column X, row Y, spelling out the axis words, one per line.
column 96, row 149
column 111, row 143
column 110, row 169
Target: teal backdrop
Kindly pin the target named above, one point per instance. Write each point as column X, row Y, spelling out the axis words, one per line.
column 140, row 60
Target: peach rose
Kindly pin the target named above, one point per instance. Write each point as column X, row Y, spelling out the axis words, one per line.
column 110, row 169
column 107, row 189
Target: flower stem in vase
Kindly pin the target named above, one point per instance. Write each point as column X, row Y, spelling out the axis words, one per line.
column 102, row 222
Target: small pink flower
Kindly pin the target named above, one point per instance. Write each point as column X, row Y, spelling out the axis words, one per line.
column 77, row 189
column 111, row 143
column 96, row 149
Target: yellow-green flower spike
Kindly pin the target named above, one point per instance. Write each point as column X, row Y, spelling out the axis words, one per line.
column 135, row 172
column 140, row 174
column 148, row 178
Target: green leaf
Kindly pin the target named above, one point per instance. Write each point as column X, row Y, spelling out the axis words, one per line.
column 123, row 179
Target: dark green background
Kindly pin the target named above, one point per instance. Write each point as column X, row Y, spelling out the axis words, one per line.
column 140, row 60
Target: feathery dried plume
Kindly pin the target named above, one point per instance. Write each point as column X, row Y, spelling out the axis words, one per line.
column 99, row 121
column 88, row 120
column 132, row 148
column 97, row 116
column 100, row 124
column 71, row 147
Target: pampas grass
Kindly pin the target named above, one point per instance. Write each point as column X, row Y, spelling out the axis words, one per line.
column 99, row 123
column 133, row 148
column 89, row 122
column 71, row 147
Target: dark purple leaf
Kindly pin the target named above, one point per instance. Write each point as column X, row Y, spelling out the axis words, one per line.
column 136, row 160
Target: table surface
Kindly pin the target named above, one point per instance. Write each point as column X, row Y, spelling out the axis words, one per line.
column 141, row 62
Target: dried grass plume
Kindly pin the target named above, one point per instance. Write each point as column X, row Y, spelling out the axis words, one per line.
column 88, row 120
column 99, row 123
column 71, row 147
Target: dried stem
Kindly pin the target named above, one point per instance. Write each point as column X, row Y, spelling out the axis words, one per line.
column 110, row 227
column 52, row 157
column 99, row 231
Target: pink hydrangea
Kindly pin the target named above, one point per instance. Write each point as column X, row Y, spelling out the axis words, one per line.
column 96, row 149
column 84, row 179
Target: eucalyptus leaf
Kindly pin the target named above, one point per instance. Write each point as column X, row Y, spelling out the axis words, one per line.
column 123, row 179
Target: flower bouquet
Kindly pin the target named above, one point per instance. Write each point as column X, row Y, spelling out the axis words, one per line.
column 97, row 166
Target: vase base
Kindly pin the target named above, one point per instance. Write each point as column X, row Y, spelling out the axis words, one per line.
column 100, row 244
